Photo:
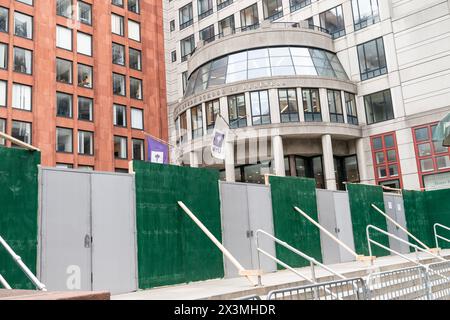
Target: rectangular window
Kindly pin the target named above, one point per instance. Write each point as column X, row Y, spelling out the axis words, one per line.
column 350, row 104
column 84, row 76
column 365, row 13
column 119, row 84
column 186, row 16
column 64, row 71
column 335, row 106
column 184, row 80
column 183, row 127
column 205, row 8
column 135, row 88
column 120, row 115
column 64, row 142
column 227, row 26
column 385, row 159
column 311, row 105
column 3, row 56
column 273, row 9
column 86, row 143
column 64, row 38
column 197, row 121
column 118, row 3
column 137, row 119
column 207, row 34
column 249, row 17
column 21, row 131
column 237, row 114
column 2, row 129
column 259, row 101
column 84, row 13
column 120, row 147
column 134, row 30
column 29, row 2
column 23, row 60
column 64, row 8
column 135, row 59
column 372, row 59
column 23, row 25
column 117, row 24
column 173, row 55
column 379, row 107
column 4, row 19
column 298, row 4
column 288, row 105
column 333, row 21
column 63, row 105
column 172, row 25
column 187, row 47
column 85, row 108
column 134, row 6
column 118, row 54
column 212, row 112
column 21, row 97
column 3, row 94
column 223, row 3
column 138, row 149
column 84, row 43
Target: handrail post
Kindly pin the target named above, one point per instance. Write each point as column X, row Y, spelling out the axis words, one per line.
column 369, row 244
column 313, row 276
column 258, row 255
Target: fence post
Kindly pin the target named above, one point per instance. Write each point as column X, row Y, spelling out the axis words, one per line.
column 313, row 276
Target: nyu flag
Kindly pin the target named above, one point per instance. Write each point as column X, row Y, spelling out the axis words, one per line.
column 158, row 152
column 219, row 137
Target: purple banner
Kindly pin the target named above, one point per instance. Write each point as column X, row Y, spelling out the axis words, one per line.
column 158, row 152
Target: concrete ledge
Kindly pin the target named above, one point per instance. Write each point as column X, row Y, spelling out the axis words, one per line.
column 56, row 295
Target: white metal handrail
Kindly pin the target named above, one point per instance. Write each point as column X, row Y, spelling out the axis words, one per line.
column 4, row 283
column 436, row 236
column 23, row 266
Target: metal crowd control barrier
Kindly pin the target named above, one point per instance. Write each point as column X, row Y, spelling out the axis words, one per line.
column 436, row 236
column 22, row 265
column 403, row 284
column 440, row 287
column 349, row 289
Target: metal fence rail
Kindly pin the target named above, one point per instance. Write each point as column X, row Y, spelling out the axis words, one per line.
column 349, row 289
column 439, row 286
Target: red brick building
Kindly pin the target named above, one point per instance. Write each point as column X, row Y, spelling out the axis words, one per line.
column 83, row 80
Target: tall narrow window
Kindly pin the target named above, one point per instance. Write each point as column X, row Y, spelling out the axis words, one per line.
column 85, row 108
column 63, row 105
column 186, row 16
column 207, row 34
column 237, row 114
column 64, row 71
column 137, row 119
column 333, row 21
column 120, row 115
column 136, row 88
column 183, row 127
column 335, row 106
column 134, row 30
column 205, row 8
column 197, row 121
column 386, row 160
column 365, row 13
column 187, row 47
column 120, row 147
column 84, row 43
column 118, row 54
column 85, row 143
column 64, row 8
column 3, row 90
column 273, row 9
column 21, row 131
column 372, row 59
column 379, row 107
column 212, row 112
column 135, row 59
column 23, row 25
column 311, row 105
column 64, row 142
column 84, row 13
column 3, row 56
column 21, row 97
column 22, row 60
column 117, row 24
column 64, row 38
column 288, row 105
column 227, row 26
column 350, row 104
column 119, row 84
column 4, row 19
column 84, row 76
column 134, row 6
column 249, row 17
column 260, row 107
column 138, row 149
column 2, row 129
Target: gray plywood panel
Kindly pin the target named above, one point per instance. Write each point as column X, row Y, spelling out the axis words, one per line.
column 344, row 224
column 327, row 219
column 393, row 204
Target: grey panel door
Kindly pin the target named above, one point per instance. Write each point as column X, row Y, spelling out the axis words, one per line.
column 344, row 224
column 327, row 219
column 393, row 204
column 65, row 230
column 113, row 232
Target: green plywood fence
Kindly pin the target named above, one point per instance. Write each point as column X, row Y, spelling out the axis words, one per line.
column 361, row 197
column 438, row 206
column 18, row 212
column 289, row 225
column 171, row 247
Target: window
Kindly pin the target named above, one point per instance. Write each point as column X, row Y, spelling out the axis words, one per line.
column 22, row 60
column 184, row 80
column 119, row 84
column 335, row 106
column 4, row 19
column 227, row 26
column 259, row 101
column 134, row 30
column 333, row 21
column 379, row 107
column 183, row 127
column 365, row 13
column 385, row 158
column 134, row 6
column 84, row 76
column 84, row 43
column 197, row 121
column 187, row 47
column 273, row 9
column 21, row 131
column 372, row 59
column 3, row 56
column 237, row 114
column 288, row 105
column 64, row 38
column 21, row 97
column 135, row 88
column 63, row 105
column 186, row 16
column 64, row 71
column 64, row 140
column 84, row 13
column 3, row 94
column 223, row 3
column 135, row 59
column 120, row 115
column 117, row 24
column 118, row 3
column 350, row 104
column 173, row 55
column 207, row 34
column 249, row 17
column 64, row 8
column 138, row 149
column 172, row 25
column 120, row 147
column 346, row 170
column 118, row 54
column 2, row 129
column 311, row 105
column 85, row 143
column 137, row 119
column 205, row 8
column 212, row 112
column 298, row 4
column 23, row 25
column 29, row 2
column 85, row 109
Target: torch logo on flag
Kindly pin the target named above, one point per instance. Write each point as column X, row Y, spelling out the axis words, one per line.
column 158, row 152
column 219, row 138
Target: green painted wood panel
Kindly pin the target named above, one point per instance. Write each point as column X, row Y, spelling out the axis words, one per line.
column 438, row 208
column 171, row 247
column 18, row 212
column 289, row 225
column 361, row 198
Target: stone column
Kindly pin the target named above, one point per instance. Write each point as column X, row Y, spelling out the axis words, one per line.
column 328, row 162
column 362, row 165
column 229, row 162
column 193, row 159
column 278, row 156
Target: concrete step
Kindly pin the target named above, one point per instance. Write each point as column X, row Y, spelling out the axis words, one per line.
column 53, row 295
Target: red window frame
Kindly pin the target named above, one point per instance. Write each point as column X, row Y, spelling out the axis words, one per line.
column 433, row 154
column 386, row 164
